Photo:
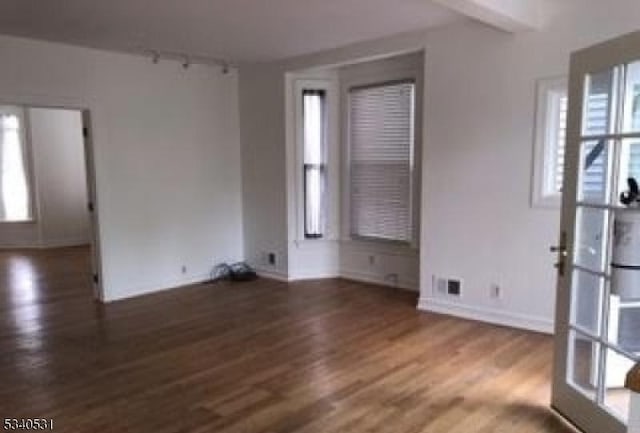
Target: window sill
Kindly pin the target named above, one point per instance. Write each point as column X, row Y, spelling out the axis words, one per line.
column 550, row 202
column 390, row 247
column 26, row 222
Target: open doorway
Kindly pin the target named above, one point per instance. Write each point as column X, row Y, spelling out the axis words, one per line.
column 48, row 225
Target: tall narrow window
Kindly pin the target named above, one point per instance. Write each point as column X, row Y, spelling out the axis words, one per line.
column 315, row 173
column 15, row 204
column 381, row 123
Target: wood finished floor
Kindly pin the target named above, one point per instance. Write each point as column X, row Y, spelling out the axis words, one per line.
column 329, row 356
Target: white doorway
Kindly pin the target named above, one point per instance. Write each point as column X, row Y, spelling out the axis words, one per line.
column 47, row 182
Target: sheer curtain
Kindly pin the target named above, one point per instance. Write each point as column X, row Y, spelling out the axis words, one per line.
column 14, row 188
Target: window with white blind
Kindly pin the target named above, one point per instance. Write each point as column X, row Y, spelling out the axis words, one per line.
column 381, row 137
column 15, row 198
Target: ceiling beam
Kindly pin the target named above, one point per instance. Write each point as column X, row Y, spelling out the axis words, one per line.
column 508, row 15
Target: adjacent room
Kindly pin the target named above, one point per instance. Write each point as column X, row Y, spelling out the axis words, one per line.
column 323, row 216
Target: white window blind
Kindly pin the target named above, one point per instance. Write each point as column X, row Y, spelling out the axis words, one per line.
column 381, row 160
column 15, row 203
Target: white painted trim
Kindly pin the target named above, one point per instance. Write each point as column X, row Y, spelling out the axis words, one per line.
column 62, row 242
column 363, row 277
column 273, row 275
column 53, row 243
column 514, row 16
column 178, row 283
column 489, row 315
column 546, row 127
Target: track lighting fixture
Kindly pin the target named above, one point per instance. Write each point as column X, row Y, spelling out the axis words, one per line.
column 186, row 60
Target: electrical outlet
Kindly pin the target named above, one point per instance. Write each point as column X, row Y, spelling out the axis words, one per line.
column 184, row 269
column 372, row 260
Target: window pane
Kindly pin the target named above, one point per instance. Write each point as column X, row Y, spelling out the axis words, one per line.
column 593, row 182
column 632, row 99
column 314, row 126
column 314, row 155
column 582, row 371
column 314, row 193
column 629, row 164
column 586, row 308
column 591, row 226
column 381, row 157
column 599, row 103
column 558, row 148
column 14, row 203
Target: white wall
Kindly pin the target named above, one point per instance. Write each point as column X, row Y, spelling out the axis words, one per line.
column 268, row 215
column 60, row 177
column 477, row 220
column 268, row 121
column 167, row 157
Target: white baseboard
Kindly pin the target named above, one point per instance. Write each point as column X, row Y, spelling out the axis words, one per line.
column 489, row 315
column 273, row 274
column 61, row 243
column 177, row 283
column 311, row 275
column 41, row 245
column 377, row 279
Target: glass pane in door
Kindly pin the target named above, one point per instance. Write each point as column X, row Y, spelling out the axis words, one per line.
column 583, row 364
column 629, row 164
column 588, row 293
column 600, row 103
column 631, row 120
column 594, row 169
column 590, row 238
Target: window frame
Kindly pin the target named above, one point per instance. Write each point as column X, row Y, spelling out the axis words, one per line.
column 296, row 178
column 414, row 169
column 546, row 132
column 25, row 136
column 321, row 166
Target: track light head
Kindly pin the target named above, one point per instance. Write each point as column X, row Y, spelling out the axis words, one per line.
column 155, row 57
column 225, row 68
column 186, row 63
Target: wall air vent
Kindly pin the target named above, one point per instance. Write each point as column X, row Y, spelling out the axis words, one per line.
column 450, row 287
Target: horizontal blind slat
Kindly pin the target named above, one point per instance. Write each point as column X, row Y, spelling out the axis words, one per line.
column 381, row 137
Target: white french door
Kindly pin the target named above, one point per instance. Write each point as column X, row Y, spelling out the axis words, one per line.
column 598, row 304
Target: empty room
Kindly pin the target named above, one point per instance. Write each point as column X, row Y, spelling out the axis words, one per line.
column 322, row 216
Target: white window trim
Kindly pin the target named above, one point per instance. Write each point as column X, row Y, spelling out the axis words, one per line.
column 333, row 184
column 545, row 135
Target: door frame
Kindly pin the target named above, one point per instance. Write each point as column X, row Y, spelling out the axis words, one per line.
column 27, row 102
column 571, row 404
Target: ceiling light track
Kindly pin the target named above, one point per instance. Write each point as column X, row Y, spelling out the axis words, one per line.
column 186, row 60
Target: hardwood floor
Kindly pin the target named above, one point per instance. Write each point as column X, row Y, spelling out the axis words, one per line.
column 326, row 356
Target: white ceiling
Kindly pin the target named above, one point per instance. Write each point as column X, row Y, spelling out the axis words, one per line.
column 234, row 30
